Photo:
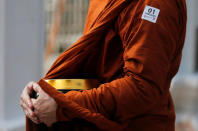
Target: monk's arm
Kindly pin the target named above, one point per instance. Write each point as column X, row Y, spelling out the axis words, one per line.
column 149, row 49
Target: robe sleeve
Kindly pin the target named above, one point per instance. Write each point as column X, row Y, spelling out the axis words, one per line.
column 149, row 49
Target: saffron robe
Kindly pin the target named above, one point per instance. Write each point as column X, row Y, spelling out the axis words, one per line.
column 133, row 59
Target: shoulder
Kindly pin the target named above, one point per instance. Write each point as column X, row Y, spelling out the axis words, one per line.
column 167, row 8
column 170, row 13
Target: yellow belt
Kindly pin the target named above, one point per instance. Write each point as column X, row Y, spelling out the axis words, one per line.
column 72, row 84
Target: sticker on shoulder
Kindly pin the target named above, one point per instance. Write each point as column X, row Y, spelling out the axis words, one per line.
column 150, row 14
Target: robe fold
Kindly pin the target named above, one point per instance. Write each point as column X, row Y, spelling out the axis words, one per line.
column 134, row 60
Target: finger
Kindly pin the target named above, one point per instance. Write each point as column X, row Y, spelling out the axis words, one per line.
column 26, row 93
column 29, row 87
column 25, row 108
column 33, row 118
column 24, row 103
column 34, row 102
column 29, row 110
column 26, row 99
column 28, row 114
column 36, row 88
column 36, row 112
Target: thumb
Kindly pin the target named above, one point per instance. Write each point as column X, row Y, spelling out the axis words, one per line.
column 36, row 88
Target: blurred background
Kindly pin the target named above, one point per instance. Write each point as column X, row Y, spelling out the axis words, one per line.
column 34, row 32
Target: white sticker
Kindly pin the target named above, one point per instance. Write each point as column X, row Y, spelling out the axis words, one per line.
column 150, row 14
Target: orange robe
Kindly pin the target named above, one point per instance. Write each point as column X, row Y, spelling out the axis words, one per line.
column 134, row 60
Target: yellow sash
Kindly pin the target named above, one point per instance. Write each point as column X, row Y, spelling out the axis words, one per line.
column 72, row 84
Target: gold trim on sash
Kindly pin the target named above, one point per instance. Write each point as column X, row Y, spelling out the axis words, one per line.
column 73, row 84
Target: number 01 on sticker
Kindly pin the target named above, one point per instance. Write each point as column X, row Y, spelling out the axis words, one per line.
column 150, row 14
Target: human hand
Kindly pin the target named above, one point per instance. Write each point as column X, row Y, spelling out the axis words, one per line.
column 26, row 102
column 44, row 106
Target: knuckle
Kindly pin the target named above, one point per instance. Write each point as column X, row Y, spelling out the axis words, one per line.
column 36, row 85
column 21, row 104
column 26, row 113
column 31, row 82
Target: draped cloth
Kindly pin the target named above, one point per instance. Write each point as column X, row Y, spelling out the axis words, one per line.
column 133, row 59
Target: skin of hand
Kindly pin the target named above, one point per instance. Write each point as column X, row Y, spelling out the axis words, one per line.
column 26, row 102
column 44, row 106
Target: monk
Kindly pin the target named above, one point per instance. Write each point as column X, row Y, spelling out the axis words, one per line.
column 133, row 48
